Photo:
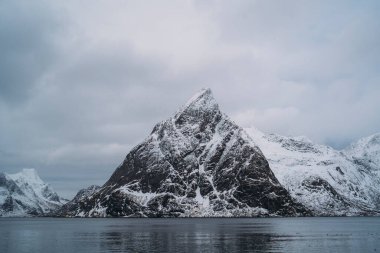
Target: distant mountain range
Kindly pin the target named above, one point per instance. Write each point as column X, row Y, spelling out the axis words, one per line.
column 25, row 194
column 199, row 163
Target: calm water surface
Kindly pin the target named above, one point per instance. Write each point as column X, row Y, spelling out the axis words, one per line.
column 190, row 235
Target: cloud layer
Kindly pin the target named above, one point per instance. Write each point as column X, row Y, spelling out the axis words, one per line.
column 82, row 82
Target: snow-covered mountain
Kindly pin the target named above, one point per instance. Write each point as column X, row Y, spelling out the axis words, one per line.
column 75, row 202
column 25, row 194
column 366, row 152
column 325, row 180
column 196, row 163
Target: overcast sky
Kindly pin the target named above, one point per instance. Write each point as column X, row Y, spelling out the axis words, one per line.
column 82, row 82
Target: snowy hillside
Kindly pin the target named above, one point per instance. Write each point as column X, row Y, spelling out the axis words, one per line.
column 327, row 181
column 366, row 152
column 25, row 194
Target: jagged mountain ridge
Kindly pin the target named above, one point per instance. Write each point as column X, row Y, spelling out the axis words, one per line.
column 325, row 180
column 25, row 194
column 196, row 163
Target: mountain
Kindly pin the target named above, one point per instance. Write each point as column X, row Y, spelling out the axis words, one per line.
column 196, row 163
column 325, row 180
column 25, row 194
column 77, row 200
column 366, row 152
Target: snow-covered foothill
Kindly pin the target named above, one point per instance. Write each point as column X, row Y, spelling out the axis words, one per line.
column 325, row 180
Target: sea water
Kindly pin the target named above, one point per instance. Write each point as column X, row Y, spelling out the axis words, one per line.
column 326, row 234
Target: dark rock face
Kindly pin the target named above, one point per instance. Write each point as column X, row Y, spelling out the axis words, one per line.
column 197, row 163
column 10, row 185
column 80, row 196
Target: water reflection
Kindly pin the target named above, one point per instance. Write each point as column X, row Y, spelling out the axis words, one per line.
column 190, row 235
column 180, row 241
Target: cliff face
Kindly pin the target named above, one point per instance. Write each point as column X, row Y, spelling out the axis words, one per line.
column 196, row 163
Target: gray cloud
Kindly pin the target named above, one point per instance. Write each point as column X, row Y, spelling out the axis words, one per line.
column 82, row 83
column 26, row 45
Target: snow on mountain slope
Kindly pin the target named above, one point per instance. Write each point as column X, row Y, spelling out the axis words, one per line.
column 366, row 152
column 25, row 194
column 196, row 163
column 327, row 181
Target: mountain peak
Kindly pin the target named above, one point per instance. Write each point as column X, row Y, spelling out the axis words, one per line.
column 26, row 194
column 28, row 175
column 203, row 95
column 197, row 163
column 374, row 139
column 364, row 144
column 202, row 102
column 29, row 172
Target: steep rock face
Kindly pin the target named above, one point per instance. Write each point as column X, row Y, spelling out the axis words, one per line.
column 196, row 163
column 327, row 181
column 25, row 194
